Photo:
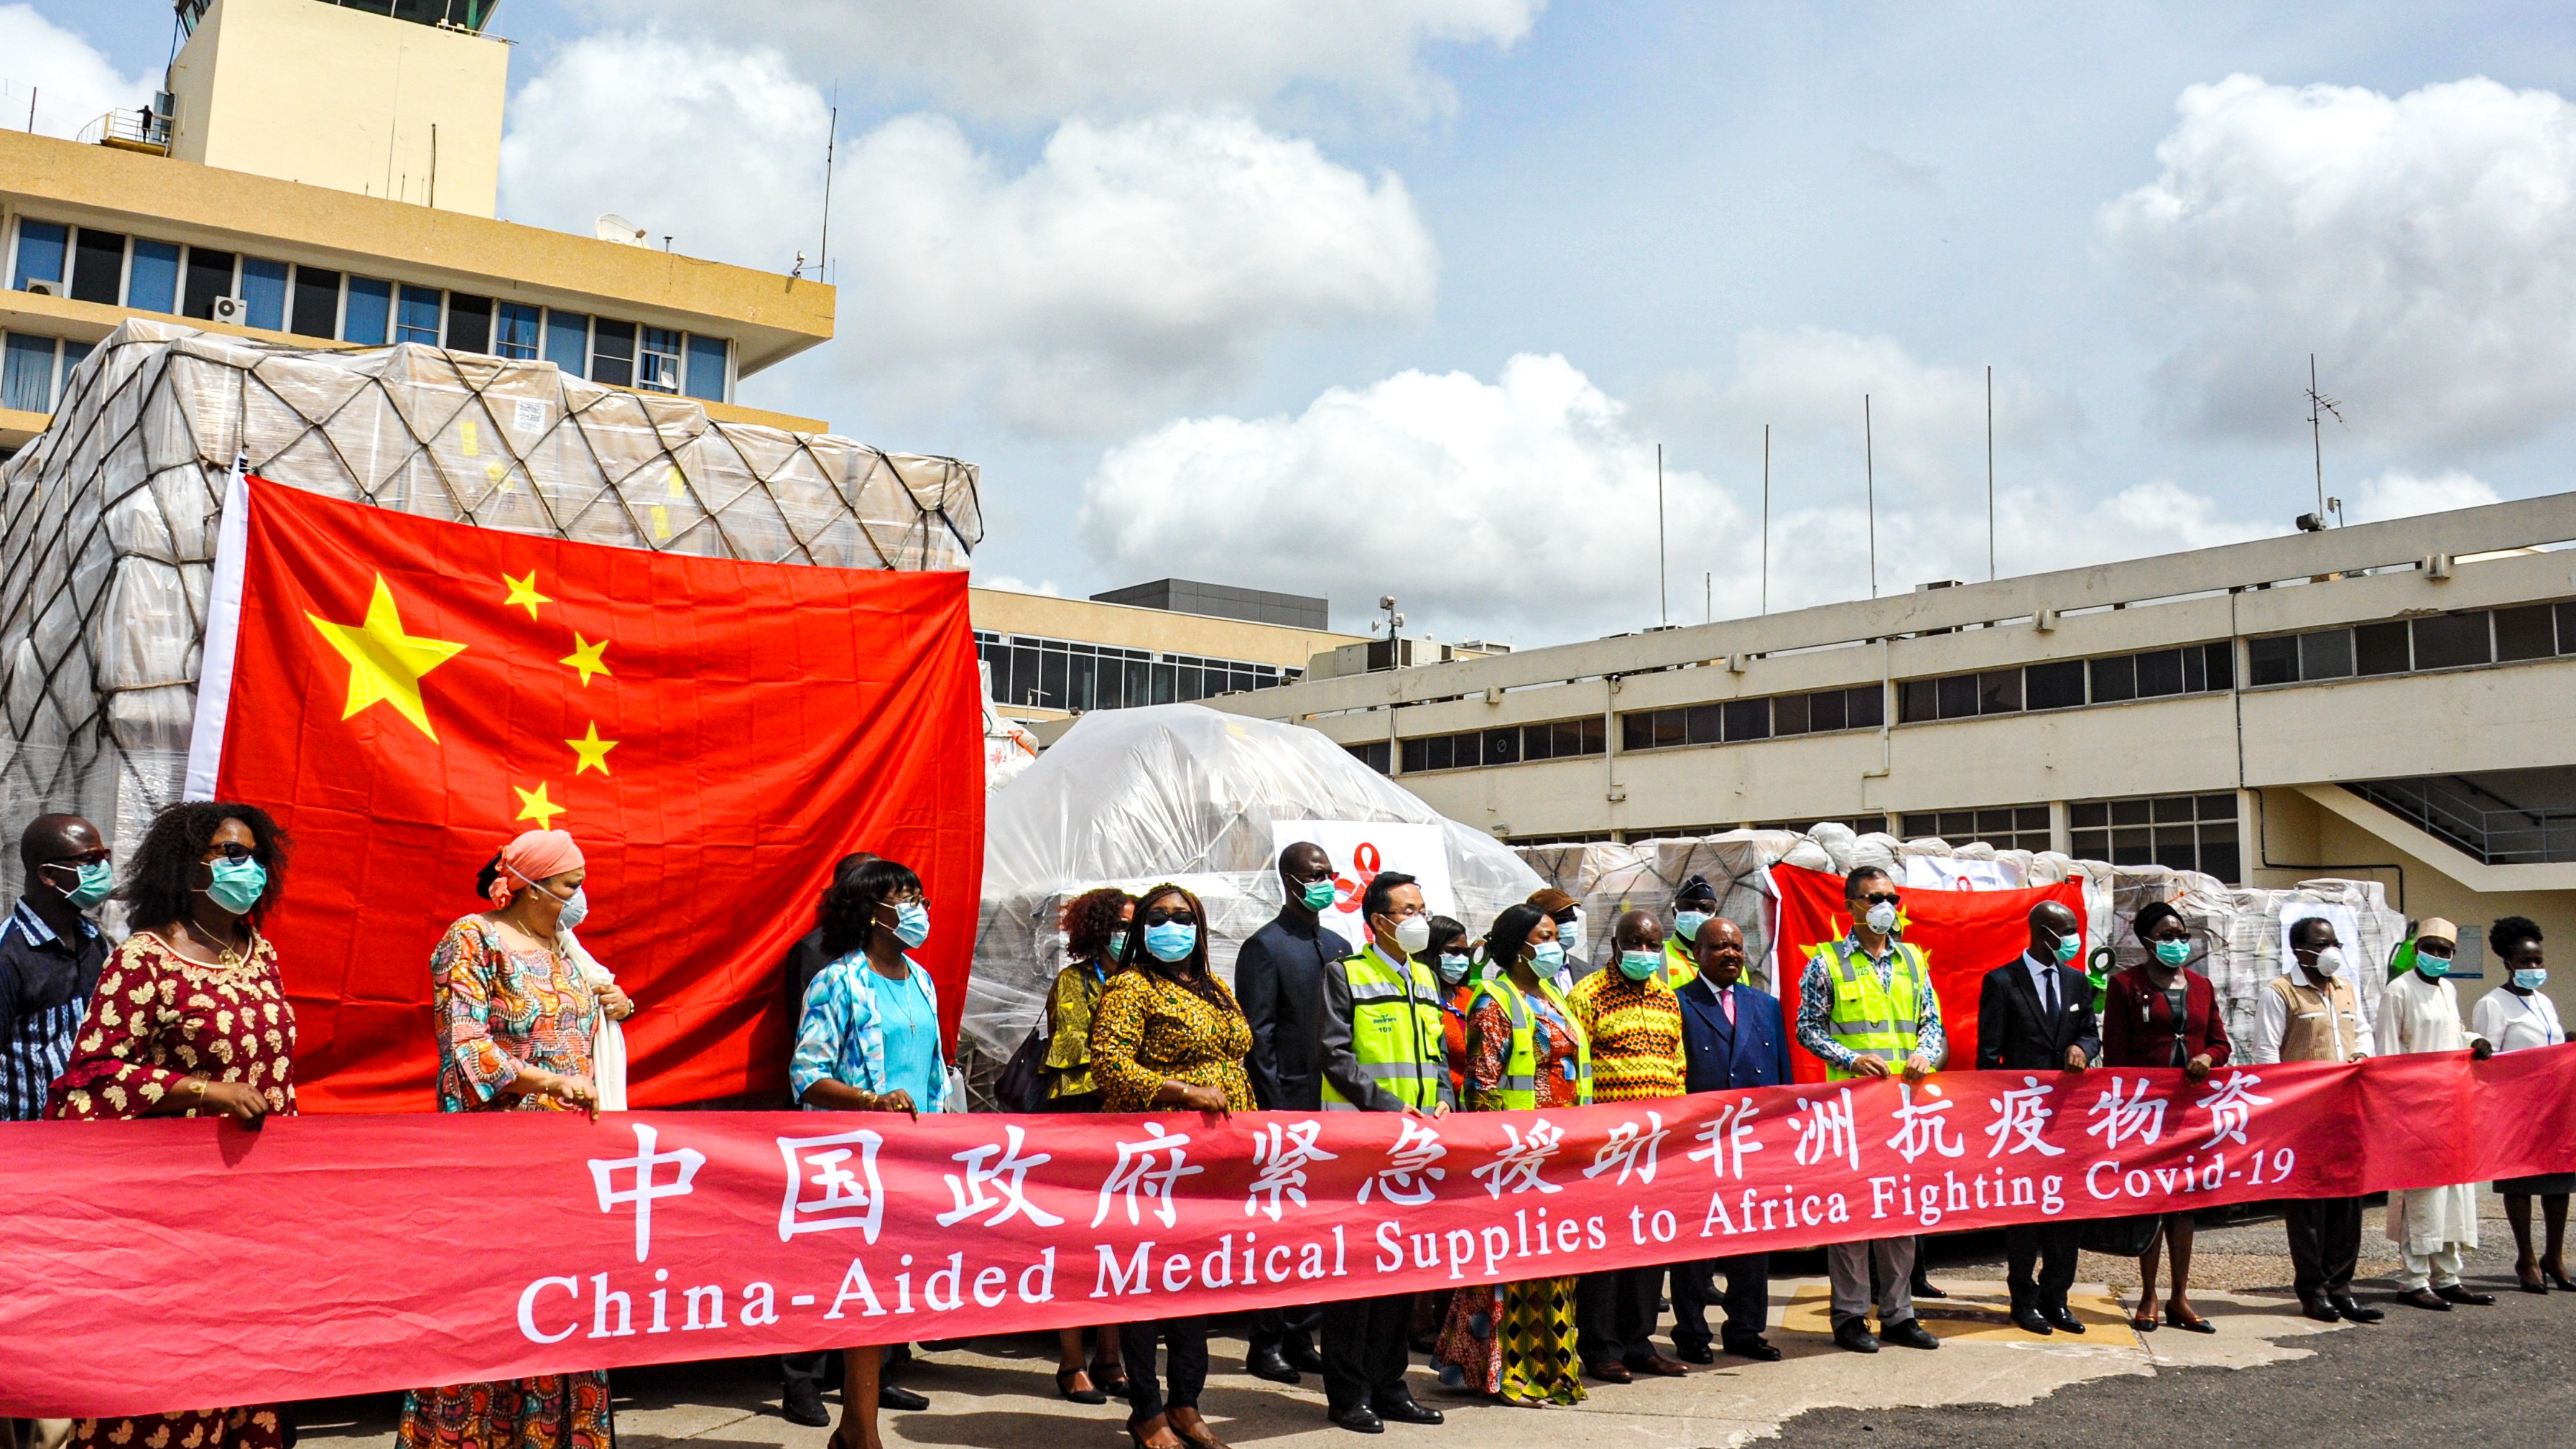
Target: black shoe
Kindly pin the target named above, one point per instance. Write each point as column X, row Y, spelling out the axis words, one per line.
column 1907, row 1333
column 801, row 1402
column 1921, row 1286
column 890, row 1397
column 2354, row 1311
column 1359, row 1419
column 2061, row 1319
column 1693, row 1352
column 2462, row 1293
column 1301, row 1355
column 2320, row 1310
column 1759, row 1350
column 1853, row 1334
column 1266, row 1363
column 2029, row 1321
column 1406, row 1411
column 2424, row 1298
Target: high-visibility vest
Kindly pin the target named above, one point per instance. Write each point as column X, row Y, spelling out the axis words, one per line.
column 1681, row 964
column 1870, row 1020
column 1518, row 1091
column 1395, row 1031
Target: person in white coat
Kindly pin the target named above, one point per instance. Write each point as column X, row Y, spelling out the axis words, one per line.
column 2517, row 1017
column 2431, row 1226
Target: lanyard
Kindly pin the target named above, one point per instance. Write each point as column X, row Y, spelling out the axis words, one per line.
column 2549, row 1035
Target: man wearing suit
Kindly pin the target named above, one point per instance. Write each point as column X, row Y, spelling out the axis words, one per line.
column 2035, row 1014
column 1732, row 1036
column 1279, row 979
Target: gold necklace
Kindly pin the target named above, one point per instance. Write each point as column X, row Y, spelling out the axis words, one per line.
column 230, row 958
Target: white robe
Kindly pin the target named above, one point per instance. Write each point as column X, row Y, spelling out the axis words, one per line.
column 608, row 1042
column 2417, row 1015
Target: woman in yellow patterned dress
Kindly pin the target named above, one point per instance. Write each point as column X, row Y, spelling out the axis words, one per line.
column 514, row 1019
column 190, row 1020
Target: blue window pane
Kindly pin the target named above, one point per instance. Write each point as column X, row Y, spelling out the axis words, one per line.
column 707, row 368
column 368, row 308
column 263, row 285
column 27, row 374
column 418, row 319
column 657, row 360
column 74, row 353
column 152, row 285
column 40, row 254
column 516, row 334
column 568, row 342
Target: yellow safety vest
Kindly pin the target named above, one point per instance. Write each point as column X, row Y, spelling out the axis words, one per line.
column 1395, row 1031
column 1681, row 965
column 1519, row 1089
column 1871, row 1020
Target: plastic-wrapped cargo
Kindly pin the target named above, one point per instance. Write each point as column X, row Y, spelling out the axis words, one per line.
column 108, row 519
column 1181, row 793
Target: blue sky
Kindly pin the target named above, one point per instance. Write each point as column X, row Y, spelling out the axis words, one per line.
column 1399, row 297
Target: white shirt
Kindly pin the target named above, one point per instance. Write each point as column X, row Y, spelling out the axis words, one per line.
column 2420, row 1015
column 2517, row 1023
column 2272, row 1022
column 2043, row 981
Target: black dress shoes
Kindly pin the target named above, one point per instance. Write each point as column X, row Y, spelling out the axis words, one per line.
column 1757, row 1349
column 2029, row 1321
column 2063, row 1319
column 2462, row 1293
column 2320, row 1310
column 1302, row 1355
column 1269, row 1363
column 1359, row 1419
column 1406, row 1411
column 2423, row 1298
column 1906, row 1333
column 890, row 1397
column 1693, row 1353
column 1853, row 1335
column 802, row 1403
column 2356, row 1312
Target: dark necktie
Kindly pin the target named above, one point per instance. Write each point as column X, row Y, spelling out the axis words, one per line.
column 2049, row 996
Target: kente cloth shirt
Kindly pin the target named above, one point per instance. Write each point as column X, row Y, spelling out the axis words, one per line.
column 45, row 986
column 1815, row 1027
column 853, row 1019
column 1635, row 1028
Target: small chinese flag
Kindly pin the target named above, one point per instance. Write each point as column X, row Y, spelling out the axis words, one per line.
column 405, row 695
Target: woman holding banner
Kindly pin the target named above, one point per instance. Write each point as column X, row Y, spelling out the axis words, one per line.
column 2517, row 1017
column 2162, row 1014
column 1169, row 1034
column 1525, row 1051
column 515, row 1019
column 1095, row 928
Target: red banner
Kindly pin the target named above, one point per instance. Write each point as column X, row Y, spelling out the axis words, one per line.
column 404, row 695
column 180, row 1264
column 1963, row 935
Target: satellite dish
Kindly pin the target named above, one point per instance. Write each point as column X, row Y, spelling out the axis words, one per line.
column 614, row 228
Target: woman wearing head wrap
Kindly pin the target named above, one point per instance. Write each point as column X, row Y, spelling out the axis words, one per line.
column 515, row 1019
column 2160, row 1013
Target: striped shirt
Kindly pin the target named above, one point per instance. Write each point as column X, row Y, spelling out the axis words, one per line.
column 45, row 986
column 1635, row 1028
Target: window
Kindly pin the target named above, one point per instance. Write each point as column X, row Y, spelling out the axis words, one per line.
column 469, row 323
column 2113, row 679
column 2058, row 684
column 516, row 336
column 40, row 254
column 263, row 292
column 2381, row 649
column 1504, row 745
column 2402, row 646
column 1735, row 720
column 1063, row 674
column 27, row 373
column 612, row 353
column 657, row 365
column 2185, row 832
column 2159, row 673
column 707, row 368
column 2326, row 655
column 210, row 275
column 152, row 281
column 2005, row 827
column 317, row 302
column 2524, row 633
column 416, row 319
column 369, row 312
column 568, row 342
column 2453, row 641
column 1375, row 754
column 98, row 267
column 2274, row 660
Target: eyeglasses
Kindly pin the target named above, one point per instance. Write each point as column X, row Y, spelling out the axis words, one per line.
column 232, row 851
column 1182, row 916
column 1888, row 899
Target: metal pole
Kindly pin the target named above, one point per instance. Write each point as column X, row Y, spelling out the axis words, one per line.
column 1990, row 473
column 2316, row 438
column 823, row 251
column 1663, row 596
column 1869, row 470
column 1766, row 518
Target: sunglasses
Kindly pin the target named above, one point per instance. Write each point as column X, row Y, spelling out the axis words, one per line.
column 1888, row 899
column 1181, row 917
column 232, row 852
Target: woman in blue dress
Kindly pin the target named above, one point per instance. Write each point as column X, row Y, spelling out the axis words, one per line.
column 869, row 1042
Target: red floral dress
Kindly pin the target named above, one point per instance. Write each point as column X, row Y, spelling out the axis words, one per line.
column 156, row 1020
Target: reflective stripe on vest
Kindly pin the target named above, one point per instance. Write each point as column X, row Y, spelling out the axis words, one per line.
column 1396, row 1034
column 1870, row 1020
column 1518, row 1091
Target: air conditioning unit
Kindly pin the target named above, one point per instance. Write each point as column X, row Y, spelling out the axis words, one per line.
column 43, row 288
column 233, row 310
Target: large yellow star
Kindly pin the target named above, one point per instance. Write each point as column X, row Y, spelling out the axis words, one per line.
column 524, row 591
column 592, row 750
column 385, row 664
column 585, row 657
column 533, row 805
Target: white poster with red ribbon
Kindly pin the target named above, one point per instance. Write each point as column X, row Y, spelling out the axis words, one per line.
column 1363, row 849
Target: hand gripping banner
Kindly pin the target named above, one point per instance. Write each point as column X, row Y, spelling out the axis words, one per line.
column 182, row 1264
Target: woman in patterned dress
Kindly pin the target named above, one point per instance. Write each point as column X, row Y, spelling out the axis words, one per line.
column 514, row 1019
column 1516, row 1340
column 189, row 1020
column 1094, row 923
column 1167, row 1033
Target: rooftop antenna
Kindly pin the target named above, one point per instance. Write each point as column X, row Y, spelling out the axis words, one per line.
column 1663, row 598
column 1766, row 518
column 1869, row 471
column 1990, row 472
column 829, row 142
column 2318, row 406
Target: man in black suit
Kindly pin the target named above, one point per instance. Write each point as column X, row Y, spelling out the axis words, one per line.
column 1279, row 979
column 2035, row 1014
column 1732, row 1038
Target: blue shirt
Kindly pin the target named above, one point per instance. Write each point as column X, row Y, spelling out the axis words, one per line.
column 865, row 1031
column 45, row 986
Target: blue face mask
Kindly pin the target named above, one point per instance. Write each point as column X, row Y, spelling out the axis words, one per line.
column 912, row 924
column 2531, row 980
column 1171, row 941
column 2173, row 953
column 1548, row 956
column 1637, row 965
column 1317, row 895
column 1686, row 924
column 238, row 885
column 1453, row 969
column 2067, row 946
column 2432, row 965
column 97, row 879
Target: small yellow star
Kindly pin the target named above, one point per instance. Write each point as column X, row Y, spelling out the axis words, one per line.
column 533, row 805
column 592, row 750
column 385, row 663
column 524, row 591
column 585, row 657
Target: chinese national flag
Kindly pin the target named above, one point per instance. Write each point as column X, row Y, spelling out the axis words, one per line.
column 1963, row 935
column 405, row 695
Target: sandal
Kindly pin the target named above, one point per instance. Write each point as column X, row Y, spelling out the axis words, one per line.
column 1136, row 1431
column 2193, row 1324
column 1064, row 1388
column 1196, row 1441
column 1109, row 1378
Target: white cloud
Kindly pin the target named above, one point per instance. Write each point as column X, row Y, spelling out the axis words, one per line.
column 71, row 82
column 2417, row 245
column 1047, row 58
column 2400, row 494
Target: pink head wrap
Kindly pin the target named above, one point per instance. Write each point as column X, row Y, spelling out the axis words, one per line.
column 535, row 855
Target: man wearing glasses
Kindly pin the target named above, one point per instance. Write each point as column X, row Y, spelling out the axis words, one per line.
column 50, row 957
column 1866, row 1008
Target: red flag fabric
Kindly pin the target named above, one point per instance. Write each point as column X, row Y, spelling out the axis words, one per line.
column 358, row 1255
column 405, row 695
column 1963, row 935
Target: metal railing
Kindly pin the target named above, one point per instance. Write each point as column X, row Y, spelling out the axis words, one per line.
column 132, row 126
column 2476, row 822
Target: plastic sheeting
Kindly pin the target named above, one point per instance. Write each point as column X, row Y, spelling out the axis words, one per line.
column 1182, row 793
column 108, row 520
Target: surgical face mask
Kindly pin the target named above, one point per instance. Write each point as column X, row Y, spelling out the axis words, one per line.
column 238, row 885
column 2329, row 961
column 2531, row 980
column 1453, row 968
column 1317, row 895
column 1548, row 957
column 1686, row 924
column 1569, row 934
column 912, row 924
column 1412, row 934
column 1172, row 940
column 1637, row 965
column 2067, row 946
column 2173, row 953
column 1881, row 917
column 2430, row 964
column 575, row 910
column 97, row 878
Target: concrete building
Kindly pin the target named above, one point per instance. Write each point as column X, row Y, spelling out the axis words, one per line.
column 2392, row 701
column 323, row 174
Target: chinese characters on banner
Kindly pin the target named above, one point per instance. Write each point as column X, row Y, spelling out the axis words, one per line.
column 360, row 1248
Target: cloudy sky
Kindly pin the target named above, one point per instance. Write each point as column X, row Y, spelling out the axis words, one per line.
column 1351, row 297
